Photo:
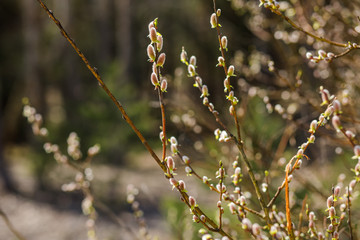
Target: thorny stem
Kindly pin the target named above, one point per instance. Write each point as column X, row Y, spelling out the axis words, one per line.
column 95, row 73
column 238, row 140
column 93, row 70
column 11, row 226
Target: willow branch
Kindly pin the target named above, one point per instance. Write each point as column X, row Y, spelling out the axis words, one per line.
column 93, row 70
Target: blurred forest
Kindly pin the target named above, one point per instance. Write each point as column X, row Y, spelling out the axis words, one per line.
column 276, row 106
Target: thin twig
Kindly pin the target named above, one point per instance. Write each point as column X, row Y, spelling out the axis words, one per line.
column 94, row 71
column 287, row 203
column 11, row 226
column 294, row 25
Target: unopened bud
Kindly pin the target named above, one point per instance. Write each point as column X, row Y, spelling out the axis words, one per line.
column 332, row 212
column 159, row 43
column 154, row 79
column 173, row 182
column 191, row 70
column 186, row 159
column 198, row 81
column 183, row 55
column 337, row 106
column 151, row 53
column 218, row 12
column 161, row 60
column 182, row 185
column 246, row 224
column 325, row 96
column 233, row 208
column 313, row 126
column 231, row 70
column 309, row 55
column 151, row 25
column 352, row 184
column 311, row 216
column 163, row 86
column 256, row 229
column 205, row 101
column 170, row 163
column 357, row 150
column 153, row 35
column 336, row 123
column 192, row 60
column 330, row 201
column 224, row 42
column 322, row 53
column 192, row 202
column 213, row 20
column 350, row 134
column 232, row 110
column 204, row 91
column 221, row 61
column 337, row 191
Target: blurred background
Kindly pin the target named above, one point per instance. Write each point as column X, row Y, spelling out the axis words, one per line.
column 276, row 107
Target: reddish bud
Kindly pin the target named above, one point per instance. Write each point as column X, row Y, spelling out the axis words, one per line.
column 357, row 151
column 163, row 86
column 256, row 229
column 154, row 80
column 246, row 224
column 337, row 106
column 192, row 202
column 350, row 134
column 186, row 159
column 153, row 35
column 159, row 43
column 170, row 163
column 151, row 53
column 182, row 185
column 161, row 60
column 221, row 61
column 336, row 123
column 330, row 201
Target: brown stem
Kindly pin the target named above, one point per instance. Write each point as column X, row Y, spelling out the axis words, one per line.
column 287, row 203
column 93, row 70
column 294, row 25
column 349, row 220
